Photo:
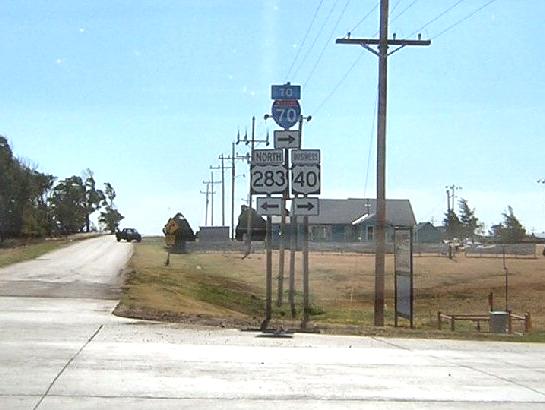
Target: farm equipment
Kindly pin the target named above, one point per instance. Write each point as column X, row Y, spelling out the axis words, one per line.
column 258, row 225
column 178, row 231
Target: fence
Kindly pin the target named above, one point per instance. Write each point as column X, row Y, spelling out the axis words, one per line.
column 525, row 320
column 499, row 250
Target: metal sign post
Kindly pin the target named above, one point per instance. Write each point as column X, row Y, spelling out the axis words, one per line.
column 293, row 249
column 306, row 291
column 268, row 277
column 403, row 261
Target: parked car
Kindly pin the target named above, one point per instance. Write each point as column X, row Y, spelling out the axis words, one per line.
column 129, row 234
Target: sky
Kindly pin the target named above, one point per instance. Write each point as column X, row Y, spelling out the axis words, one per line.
column 148, row 94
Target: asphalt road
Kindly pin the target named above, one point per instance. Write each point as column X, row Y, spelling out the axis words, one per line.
column 90, row 268
column 68, row 352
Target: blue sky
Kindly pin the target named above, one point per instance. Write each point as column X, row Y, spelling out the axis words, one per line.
column 148, row 94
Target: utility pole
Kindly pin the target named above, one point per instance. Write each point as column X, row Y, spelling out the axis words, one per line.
column 450, row 196
column 233, row 157
column 206, row 193
column 223, row 168
column 211, row 192
column 383, row 42
column 252, row 143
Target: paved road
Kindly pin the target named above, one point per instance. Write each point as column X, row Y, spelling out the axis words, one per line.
column 67, row 352
column 90, row 268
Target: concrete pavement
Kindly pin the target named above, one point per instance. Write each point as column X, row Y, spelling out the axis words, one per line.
column 66, row 353
column 71, row 353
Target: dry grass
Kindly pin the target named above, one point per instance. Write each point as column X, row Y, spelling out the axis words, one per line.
column 14, row 252
column 225, row 286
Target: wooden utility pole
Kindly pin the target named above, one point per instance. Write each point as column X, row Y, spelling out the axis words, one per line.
column 252, row 143
column 207, row 193
column 211, row 192
column 383, row 42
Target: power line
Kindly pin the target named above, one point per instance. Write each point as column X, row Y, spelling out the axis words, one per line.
column 403, row 11
column 315, row 39
column 433, row 20
column 464, row 19
column 395, row 6
column 304, row 38
column 338, row 83
column 326, row 43
column 364, row 18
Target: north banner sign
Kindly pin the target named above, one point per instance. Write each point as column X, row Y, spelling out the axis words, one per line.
column 267, row 157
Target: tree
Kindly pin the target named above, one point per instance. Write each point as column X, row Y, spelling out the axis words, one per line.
column 452, row 224
column 110, row 218
column 23, row 192
column 69, row 205
column 94, row 198
column 468, row 222
column 510, row 230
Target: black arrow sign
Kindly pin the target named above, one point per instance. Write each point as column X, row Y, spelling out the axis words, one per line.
column 289, row 139
column 266, row 206
column 308, row 206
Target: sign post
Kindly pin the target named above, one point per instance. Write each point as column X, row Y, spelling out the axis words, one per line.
column 403, row 261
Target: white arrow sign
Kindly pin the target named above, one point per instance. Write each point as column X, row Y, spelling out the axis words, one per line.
column 269, row 206
column 306, row 206
column 287, row 139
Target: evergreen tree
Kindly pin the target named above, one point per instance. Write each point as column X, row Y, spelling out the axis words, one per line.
column 511, row 230
column 452, row 224
column 468, row 222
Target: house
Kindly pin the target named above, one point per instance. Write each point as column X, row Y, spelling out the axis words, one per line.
column 426, row 232
column 354, row 220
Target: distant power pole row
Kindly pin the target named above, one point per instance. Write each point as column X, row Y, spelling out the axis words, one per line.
column 451, row 190
column 382, row 53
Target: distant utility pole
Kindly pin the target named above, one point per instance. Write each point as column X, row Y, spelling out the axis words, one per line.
column 223, row 168
column 207, row 194
column 252, row 143
column 233, row 157
column 383, row 42
column 451, row 190
column 211, row 193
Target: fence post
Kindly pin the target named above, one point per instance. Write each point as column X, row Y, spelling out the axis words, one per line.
column 527, row 322
column 509, row 322
column 452, row 323
column 439, row 320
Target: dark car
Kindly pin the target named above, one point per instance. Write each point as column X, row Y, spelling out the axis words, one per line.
column 129, row 234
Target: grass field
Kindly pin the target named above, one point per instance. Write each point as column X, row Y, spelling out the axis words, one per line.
column 219, row 288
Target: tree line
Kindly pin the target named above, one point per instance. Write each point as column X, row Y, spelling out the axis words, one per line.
column 34, row 204
column 466, row 224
